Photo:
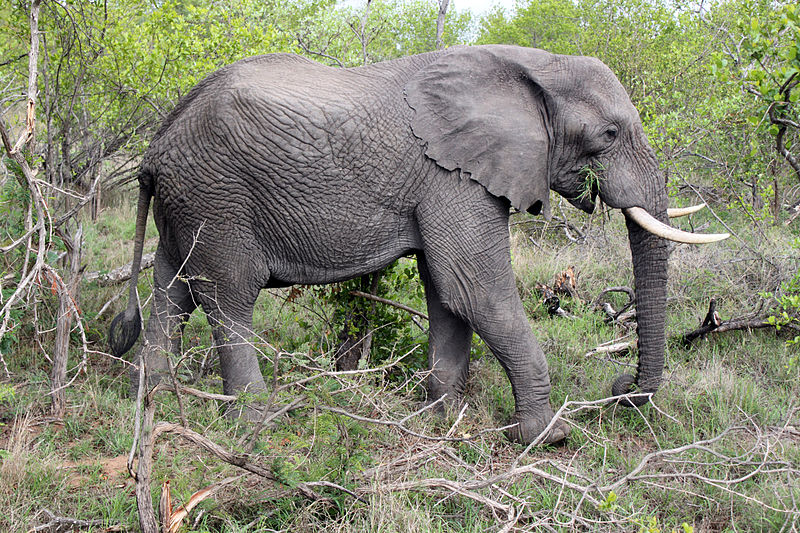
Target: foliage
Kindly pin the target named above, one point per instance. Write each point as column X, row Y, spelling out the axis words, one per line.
column 392, row 331
column 773, row 48
column 787, row 312
column 670, row 56
column 117, row 68
column 771, row 72
column 592, row 175
column 382, row 30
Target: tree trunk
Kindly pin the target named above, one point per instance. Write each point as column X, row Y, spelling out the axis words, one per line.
column 443, row 5
column 67, row 302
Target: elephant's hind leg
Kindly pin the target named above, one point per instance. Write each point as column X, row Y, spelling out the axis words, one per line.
column 229, row 308
column 171, row 307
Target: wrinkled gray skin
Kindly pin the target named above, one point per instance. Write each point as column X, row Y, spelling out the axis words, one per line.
column 277, row 170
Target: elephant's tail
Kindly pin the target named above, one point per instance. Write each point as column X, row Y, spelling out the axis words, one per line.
column 127, row 325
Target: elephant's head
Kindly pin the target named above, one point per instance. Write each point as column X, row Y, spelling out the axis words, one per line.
column 522, row 121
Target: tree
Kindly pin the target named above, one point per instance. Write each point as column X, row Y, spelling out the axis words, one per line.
column 771, row 73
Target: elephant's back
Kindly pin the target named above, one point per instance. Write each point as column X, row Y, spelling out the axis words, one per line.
column 279, row 120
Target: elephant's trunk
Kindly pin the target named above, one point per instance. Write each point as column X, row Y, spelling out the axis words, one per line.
column 649, row 255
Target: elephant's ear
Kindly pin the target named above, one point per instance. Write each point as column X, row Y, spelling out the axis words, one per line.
column 480, row 110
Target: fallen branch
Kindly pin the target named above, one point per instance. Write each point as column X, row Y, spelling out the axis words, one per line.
column 57, row 524
column 625, row 313
column 389, row 302
column 119, row 274
column 612, row 347
column 552, row 302
column 713, row 323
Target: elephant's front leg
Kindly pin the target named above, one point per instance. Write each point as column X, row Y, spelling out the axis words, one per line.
column 503, row 325
column 449, row 342
column 466, row 247
column 499, row 319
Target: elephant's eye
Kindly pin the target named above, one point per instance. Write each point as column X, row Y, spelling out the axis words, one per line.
column 611, row 134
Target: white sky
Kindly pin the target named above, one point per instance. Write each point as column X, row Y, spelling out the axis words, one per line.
column 478, row 7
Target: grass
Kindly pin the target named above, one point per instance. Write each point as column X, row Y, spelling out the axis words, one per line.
column 732, row 391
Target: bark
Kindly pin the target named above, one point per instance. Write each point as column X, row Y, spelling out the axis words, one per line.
column 443, row 5
column 144, row 499
column 68, row 298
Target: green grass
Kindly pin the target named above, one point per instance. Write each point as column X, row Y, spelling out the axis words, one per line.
column 727, row 381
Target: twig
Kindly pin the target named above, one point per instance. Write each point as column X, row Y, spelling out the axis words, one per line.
column 400, row 424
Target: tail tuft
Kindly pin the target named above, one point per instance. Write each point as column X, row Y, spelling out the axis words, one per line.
column 123, row 332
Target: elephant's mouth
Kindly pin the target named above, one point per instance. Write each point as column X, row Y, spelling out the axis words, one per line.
column 587, row 200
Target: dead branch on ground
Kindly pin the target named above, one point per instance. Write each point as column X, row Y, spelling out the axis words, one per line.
column 626, row 314
column 552, row 302
column 713, row 323
column 119, row 274
column 59, row 524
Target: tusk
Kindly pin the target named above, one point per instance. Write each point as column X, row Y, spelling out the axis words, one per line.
column 648, row 222
column 675, row 212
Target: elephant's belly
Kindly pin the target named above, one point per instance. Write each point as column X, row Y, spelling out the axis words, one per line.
column 332, row 251
column 291, row 272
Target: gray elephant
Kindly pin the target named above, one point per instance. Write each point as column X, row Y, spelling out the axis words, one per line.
column 277, row 170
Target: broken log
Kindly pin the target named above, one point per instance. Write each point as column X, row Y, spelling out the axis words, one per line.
column 566, row 282
column 612, row 348
column 552, row 302
column 119, row 274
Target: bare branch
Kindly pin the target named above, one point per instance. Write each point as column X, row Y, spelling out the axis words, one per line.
column 385, row 301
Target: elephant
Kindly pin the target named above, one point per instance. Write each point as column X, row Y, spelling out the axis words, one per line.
column 277, row 170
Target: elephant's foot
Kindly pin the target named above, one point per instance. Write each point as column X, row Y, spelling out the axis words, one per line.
column 530, row 426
